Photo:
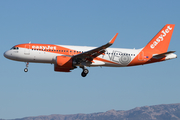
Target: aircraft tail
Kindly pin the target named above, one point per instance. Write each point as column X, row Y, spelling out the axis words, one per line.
column 160, row 43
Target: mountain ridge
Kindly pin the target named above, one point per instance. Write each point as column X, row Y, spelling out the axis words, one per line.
column 155, row 112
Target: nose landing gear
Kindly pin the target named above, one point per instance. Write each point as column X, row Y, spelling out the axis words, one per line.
column 26, row 69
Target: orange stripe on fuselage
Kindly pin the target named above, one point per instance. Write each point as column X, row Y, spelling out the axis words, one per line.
column 103, row 60
column 49, row 48
column 142, row 59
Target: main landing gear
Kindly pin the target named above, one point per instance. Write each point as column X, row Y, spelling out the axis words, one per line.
column 84, row 72
column 26, row 69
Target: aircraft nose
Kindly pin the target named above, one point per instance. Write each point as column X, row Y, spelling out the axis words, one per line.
column 7, row 54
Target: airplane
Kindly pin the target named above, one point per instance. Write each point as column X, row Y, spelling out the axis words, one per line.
column 66, row 58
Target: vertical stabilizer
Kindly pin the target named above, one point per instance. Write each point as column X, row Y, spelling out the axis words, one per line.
column 157, row 46
column 160, row 43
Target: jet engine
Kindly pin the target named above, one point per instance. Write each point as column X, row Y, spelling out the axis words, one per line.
column 63, row 64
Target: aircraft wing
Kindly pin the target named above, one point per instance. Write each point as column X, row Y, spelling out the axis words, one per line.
column 91, row 54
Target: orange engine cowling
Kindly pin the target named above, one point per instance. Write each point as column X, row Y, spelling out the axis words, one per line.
column 63, row 64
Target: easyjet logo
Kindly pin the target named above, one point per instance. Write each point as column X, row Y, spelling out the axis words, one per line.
column 44, row 47
column 161, row 37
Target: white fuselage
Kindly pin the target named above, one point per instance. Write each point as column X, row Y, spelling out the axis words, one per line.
column 120, row 56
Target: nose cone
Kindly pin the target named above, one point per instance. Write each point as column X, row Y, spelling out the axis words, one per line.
column 8, row 54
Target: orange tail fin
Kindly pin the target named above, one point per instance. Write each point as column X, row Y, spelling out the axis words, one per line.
column 160, row 43
column 157, row 47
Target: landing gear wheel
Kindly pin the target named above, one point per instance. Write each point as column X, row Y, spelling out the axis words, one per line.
column 25, row 70
column 85, row 72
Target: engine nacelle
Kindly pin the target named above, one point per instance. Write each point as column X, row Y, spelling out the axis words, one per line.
column 63, row 64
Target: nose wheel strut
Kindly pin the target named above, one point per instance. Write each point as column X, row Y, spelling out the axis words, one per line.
column 26, row 69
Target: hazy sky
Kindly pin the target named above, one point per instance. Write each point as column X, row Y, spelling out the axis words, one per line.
column 42, row 91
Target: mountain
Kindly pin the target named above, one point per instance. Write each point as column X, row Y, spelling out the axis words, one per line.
column 156, row 112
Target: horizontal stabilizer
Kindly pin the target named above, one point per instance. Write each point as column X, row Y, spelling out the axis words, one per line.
column 158, row 56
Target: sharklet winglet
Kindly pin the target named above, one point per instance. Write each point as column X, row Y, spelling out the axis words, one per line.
column 113, row 39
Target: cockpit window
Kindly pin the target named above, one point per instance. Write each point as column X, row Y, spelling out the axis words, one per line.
column 14, row 48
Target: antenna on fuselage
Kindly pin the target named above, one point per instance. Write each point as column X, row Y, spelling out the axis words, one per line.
column 30, row 42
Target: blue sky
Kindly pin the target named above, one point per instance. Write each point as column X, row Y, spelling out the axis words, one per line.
column 42, row 91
